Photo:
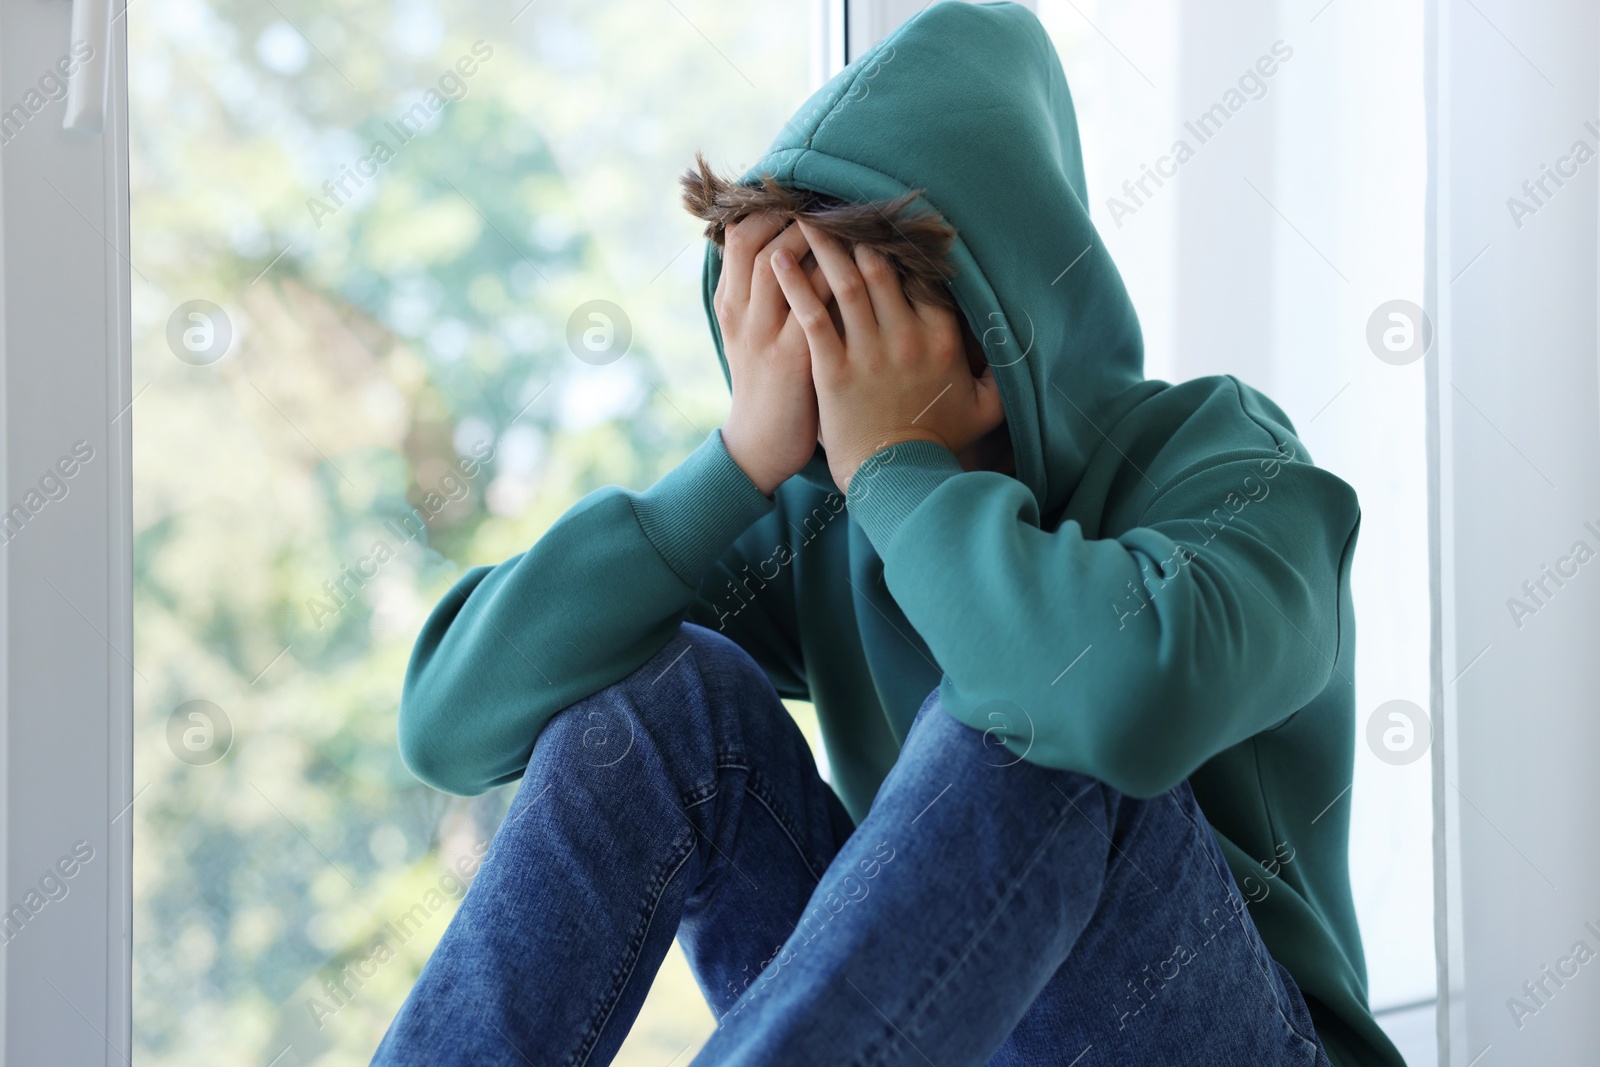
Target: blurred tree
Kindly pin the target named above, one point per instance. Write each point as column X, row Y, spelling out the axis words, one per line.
column 419, row 324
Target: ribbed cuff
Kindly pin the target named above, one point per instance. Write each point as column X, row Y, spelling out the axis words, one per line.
column 697, row 509
column 892, row 483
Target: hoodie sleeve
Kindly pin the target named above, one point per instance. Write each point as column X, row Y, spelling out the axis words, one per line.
column 599, row 594
column 1132, row 658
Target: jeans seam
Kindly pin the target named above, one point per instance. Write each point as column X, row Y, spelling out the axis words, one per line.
column 756, row 787
column 966, row 951
column 701, row 794
column 730, row 760
column 630, row 959
column 1251, row 941
column 1311, row 1039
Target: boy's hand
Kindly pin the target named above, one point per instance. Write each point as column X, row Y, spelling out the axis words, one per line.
column 771, row 430
column 900, row 371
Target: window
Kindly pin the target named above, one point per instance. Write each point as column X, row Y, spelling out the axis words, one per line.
column 413, row 278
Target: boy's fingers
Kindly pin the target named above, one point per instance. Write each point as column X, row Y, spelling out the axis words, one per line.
column 849, row 289
column 819, row 280
column 743, row 240
column 808, row 310
column 767, row 302
column 889, row 304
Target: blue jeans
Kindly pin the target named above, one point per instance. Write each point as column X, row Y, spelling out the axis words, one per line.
column 986, row 911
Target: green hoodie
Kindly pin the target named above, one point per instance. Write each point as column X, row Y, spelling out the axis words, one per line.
column 1161, row 592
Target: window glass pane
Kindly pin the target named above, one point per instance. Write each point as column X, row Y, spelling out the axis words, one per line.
column 368, row 240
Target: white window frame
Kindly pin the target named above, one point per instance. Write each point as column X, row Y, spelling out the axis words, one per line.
column 66, row 672
column 1513, row 414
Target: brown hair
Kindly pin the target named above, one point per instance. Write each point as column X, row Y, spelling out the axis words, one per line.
column 916, row 243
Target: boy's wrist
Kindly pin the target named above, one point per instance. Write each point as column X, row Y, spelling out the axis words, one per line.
column 694, row 512
column 733, row 442
column 893, row 482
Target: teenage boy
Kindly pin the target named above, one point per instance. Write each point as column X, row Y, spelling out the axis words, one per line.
column 1080, row 644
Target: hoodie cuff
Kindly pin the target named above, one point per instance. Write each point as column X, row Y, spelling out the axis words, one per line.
column 890, row 485
column 697, row 509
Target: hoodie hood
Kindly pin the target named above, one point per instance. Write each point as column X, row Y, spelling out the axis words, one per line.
column 968, row 103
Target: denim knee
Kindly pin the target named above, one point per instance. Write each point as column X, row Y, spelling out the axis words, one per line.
column 687, row 709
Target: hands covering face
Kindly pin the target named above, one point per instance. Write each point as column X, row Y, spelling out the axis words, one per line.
column 772, row 426
column 886, row 371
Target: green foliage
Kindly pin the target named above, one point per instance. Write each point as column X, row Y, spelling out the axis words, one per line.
column 425, row 316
